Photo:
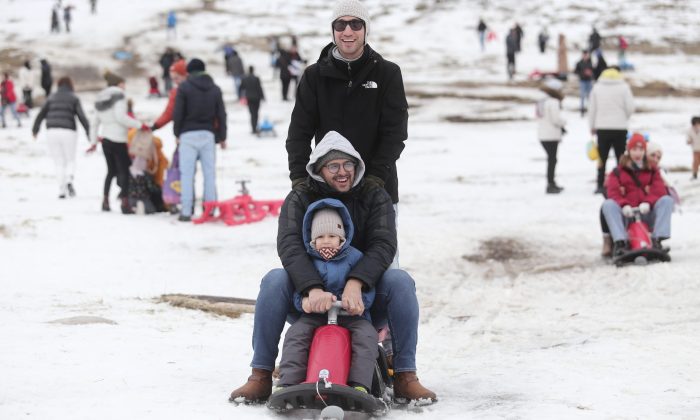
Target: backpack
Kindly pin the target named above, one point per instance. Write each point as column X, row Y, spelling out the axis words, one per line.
column 142, row 145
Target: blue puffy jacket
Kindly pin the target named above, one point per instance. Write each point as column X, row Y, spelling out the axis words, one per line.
column 334, row 272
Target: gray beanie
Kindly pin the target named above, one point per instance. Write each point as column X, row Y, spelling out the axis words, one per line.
column 332, row 155
column 352, row 8
column 327, row 221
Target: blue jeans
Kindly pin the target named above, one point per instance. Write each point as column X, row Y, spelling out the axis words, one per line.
column 585, row 87
column 197, row 145
column 395, row 303
column 658, row 219
column 13, row 110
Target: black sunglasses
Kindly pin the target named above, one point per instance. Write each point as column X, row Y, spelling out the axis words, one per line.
column 355, row 25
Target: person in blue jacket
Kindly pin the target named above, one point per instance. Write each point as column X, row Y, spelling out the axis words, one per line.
column 325, row 225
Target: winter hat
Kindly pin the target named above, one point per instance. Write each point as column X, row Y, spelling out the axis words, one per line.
column 112, row 79
column 179, row 67
column 332, row 155
column 327, row 221
column 195, row 65
column 636, row 140
column 552, row 83
column 653, row 147
column 351, row 8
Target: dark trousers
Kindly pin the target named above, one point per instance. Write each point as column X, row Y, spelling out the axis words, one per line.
column 551, row 148
column 297, row 341
column 285, row 87
column 607, row 139
column 511, row 64
column 27, row 94
column 254, row 108
column 118, row 162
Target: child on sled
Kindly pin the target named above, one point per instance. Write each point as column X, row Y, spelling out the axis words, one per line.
column 327, row 233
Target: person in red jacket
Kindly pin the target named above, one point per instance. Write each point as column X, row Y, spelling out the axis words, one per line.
column 634, row 183
column 178, row 74
column 8, row 99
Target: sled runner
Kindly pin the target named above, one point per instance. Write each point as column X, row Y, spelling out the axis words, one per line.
column 325, row 387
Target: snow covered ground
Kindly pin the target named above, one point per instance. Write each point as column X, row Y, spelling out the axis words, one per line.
column 552, row 332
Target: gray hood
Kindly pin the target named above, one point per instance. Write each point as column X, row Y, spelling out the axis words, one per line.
column 335, row 141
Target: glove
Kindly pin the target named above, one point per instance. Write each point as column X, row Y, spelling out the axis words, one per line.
column 153, row 127
column 627, row 211
column 300, row 185
column 644, row 208
column 373, row 181
column 145, row 127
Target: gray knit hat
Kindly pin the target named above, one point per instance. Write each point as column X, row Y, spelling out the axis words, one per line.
column 332, row 155
column 327, row 221
column 351, row 8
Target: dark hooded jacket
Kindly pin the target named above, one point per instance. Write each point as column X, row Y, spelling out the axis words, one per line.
column 199, row 106
column 364, row 101
column 60, row 111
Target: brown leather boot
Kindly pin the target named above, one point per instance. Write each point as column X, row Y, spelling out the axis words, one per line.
column 406, row 385
column 607, row 246
column 257, row 389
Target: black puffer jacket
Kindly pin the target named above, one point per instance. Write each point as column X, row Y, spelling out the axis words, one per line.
column 199, row 106
column 251, row 88
column 371, row 212
column 364, row 101
column 60, row 111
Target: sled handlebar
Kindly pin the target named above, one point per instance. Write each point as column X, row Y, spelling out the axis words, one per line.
column 336, row 309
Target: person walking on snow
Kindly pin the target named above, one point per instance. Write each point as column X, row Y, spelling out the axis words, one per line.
column 60, row 111
column 252, row 90
column 171, row 24
column 54, row 20
column 67, row 16
column 325, row 225
column 27, row 80
column 511, row 50
column 46, row 78
column 551, row 127
column 234, row 63
column 481, row 28
column 177, row 74
column 111, row 124
column 610, row 108
column 332, row 173
column 584, row 71
column 8, row 99
column 199, row 123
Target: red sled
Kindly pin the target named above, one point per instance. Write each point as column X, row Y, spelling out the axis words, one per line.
column 239, row 210
column 641, row 250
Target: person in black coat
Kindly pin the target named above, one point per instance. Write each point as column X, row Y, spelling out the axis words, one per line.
column 351, row 89
column 60, row 111
column 199, row 122
column 252, row 90
column 46, row 78
column 284, row 60
column 166, row 60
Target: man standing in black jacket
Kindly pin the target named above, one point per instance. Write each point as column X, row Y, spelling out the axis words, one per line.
column 252, row 90
column 199, row 122
column 351, row 89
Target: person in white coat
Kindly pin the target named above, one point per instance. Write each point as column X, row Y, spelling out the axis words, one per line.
column 26, row 76
column 610, row 107
column 551, row 127
column 111, row 124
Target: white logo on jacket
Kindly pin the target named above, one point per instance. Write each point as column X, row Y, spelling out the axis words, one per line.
column 370, row 85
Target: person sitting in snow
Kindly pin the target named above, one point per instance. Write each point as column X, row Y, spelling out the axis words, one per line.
column 325, row 225
column 634, row 183
column 372, row 212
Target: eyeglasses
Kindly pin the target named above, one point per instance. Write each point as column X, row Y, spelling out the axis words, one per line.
column 355, row 25
column 335, row 167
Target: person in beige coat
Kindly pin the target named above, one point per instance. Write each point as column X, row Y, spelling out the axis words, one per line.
column 610, row 107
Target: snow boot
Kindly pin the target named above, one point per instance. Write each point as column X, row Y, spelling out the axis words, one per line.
column 126, row 208
column 607, row 246
column 105, row 204
column 407, row 386
column 554, row 189
column 257, row 389
column 619, row 248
